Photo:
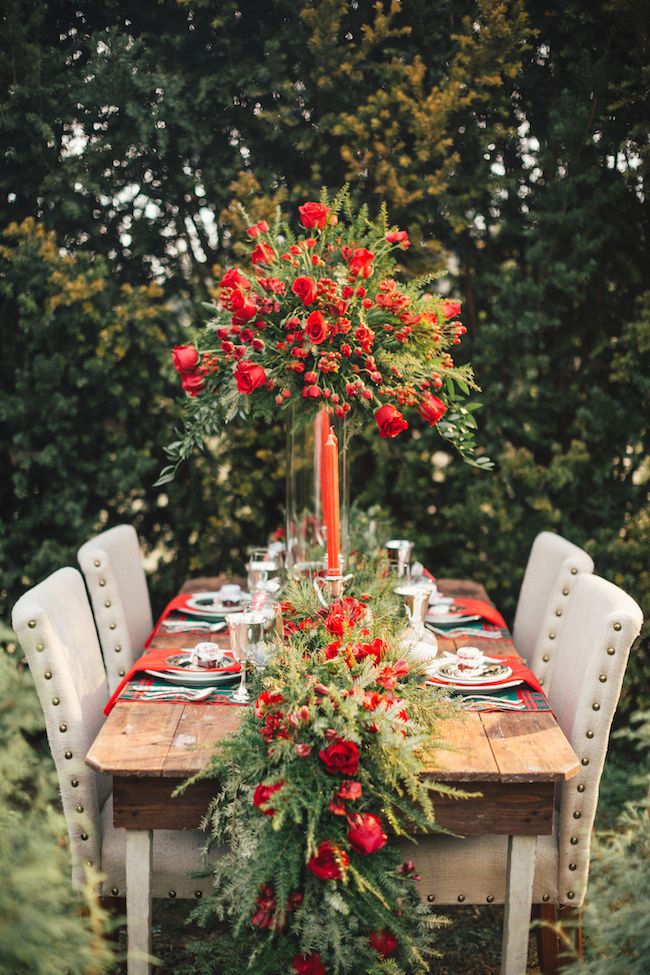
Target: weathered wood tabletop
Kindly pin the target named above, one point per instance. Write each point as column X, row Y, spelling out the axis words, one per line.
column 515, row 759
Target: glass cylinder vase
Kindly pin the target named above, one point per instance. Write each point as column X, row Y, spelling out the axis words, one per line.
column 306, row 532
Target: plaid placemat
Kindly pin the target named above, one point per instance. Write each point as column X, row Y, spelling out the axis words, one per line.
column 531, row 700
column 138, row 690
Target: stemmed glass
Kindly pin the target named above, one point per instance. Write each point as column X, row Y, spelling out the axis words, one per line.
column 247, row 644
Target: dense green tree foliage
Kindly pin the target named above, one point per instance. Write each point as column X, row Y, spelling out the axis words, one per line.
column 508, row 135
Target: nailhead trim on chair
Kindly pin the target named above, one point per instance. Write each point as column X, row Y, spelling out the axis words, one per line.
column 198, row 894
column 114, row 890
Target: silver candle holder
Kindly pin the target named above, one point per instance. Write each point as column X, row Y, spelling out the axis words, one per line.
column 399, row 556
column 331, row 585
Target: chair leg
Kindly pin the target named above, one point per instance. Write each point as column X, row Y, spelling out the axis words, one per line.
column 559, row 937
column 548, row 943
column 571, row 921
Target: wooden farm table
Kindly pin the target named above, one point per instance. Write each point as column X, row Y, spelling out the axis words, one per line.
column 515, row 759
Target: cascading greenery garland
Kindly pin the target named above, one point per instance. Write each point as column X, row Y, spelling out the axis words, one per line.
column 322, row 776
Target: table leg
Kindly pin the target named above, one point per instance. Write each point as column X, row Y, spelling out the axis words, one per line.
column 519, row 898
column 139, row 844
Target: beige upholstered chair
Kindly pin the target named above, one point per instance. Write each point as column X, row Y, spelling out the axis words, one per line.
column 600, row 624
column 54, row 625
column 112, row 566
column 553, row 566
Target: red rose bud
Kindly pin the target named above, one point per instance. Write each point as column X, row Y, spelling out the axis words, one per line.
column 249, row 376
column 264, row 916
column 384, row 943
column 263, row 254
column 329, row 862
column 450, row 309
column 361, row 263
column 312, row 392
column 316, row 328
column 400, row 237
column 337, row 808
column 313, row 215
column 234, row 279
column 192, row 383
column 341, row 757
column 262, row 795
column 302, row 750
column 390, row 421
column 185, row 357
column 350, row 790
column 366, row 834
column 305, row 290
column 432, row 408
column 258, row 228
column 308, row 964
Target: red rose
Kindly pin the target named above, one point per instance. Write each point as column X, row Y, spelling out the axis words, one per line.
column 432, row 408
column 399, row 237
column 267, row 699
column 384, row 943
column 350, row 790
column 450, row 309
column 192, row 383
column 329, row 862
column 263, row 254
column 249, row 376
column 390, row 675
column 308, row 964
column 233, row 278
column 185, row 358
column 262, row 795
column 341, row 757
column 243, row 306
column 312, row 392
column 305, row 289
column 332, row 649
column 316, row 328
column 313, row 215
column 366, row 834
column 258, row 228
column 361, row 262
column 390, row 421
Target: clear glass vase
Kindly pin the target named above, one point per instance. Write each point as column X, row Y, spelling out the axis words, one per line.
column 306, row 538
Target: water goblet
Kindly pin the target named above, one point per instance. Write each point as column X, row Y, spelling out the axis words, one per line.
column 399, row 556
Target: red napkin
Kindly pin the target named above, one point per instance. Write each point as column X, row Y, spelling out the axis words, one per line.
column 478, row 607
column 157, row 660
column 519, row 672
column 178, row 603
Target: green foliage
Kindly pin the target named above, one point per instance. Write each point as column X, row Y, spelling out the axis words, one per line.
column 320, row 692
column 509, row 137
column 42, row 930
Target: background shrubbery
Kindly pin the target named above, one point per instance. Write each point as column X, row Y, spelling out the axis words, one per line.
column 507, row 135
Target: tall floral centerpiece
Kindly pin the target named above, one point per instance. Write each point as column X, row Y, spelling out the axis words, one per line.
column 316, row 327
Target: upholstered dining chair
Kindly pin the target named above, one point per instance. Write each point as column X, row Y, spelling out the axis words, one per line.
column 54, row 624
column 553, row 566
column 112, row 566
column 600, row 624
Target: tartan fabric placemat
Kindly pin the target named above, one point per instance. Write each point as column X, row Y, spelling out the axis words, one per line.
column 136, row 690
column 532, row 700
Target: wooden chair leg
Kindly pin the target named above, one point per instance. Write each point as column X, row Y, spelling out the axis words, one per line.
column 548, row 942
column 571, row 922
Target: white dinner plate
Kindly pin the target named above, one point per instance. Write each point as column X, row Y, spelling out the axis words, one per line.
column 490, row 672
column 187, row 678
column 471, row 689
column 209, row 604
column 446, row 619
